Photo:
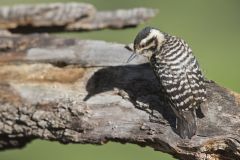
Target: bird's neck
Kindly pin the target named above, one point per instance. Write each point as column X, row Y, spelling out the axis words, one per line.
column 160, row 37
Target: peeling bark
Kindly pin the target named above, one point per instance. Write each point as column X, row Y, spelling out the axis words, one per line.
column 68, row 16
column 75, row 91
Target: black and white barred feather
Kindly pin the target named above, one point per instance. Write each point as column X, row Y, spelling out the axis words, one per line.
column 178, row 73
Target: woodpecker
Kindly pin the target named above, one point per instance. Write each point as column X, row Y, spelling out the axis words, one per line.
column 178, row 73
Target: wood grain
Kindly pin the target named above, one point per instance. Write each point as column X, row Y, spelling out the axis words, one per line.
column 75, row 91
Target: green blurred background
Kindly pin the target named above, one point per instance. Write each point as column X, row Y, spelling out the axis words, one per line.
column 211, row 27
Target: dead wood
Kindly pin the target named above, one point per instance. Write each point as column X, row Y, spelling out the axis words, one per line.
column 75, row 91
column 55, row 17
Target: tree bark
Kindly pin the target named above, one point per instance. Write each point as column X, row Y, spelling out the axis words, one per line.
column 75, row 91
column 55, row 17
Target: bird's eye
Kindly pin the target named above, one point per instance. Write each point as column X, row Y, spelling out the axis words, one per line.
column 142, row 45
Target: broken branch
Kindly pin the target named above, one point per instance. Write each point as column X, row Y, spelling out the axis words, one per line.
column 75, row 91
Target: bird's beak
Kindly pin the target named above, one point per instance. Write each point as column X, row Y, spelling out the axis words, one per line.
column 131, row 48
column 133, row 55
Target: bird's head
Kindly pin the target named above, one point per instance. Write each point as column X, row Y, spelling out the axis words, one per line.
column 148, row 41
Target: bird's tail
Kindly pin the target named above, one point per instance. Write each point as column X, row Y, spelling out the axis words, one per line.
column 186, row 124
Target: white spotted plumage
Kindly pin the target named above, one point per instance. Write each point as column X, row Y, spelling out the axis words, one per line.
column 178, row 73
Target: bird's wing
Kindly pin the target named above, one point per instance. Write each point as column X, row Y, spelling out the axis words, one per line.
column 178, row 89
column 179, row 93
column 196, row 82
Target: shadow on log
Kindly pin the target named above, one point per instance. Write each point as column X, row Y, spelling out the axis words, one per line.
column 136, row 83
column 39, row 99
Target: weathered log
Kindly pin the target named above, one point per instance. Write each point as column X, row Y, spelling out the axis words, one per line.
column 68, row 16
column 50, row 89
column 114, row 19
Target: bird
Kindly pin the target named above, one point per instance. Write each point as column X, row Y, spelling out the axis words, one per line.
column 178, row 73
